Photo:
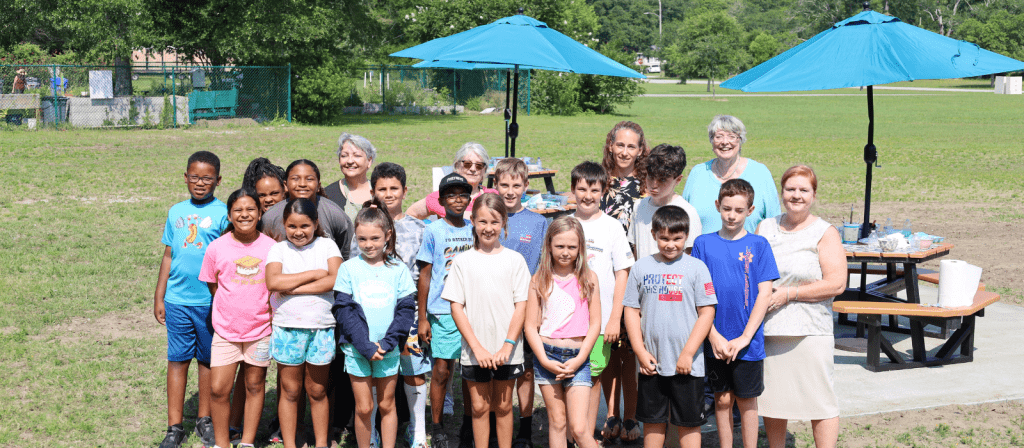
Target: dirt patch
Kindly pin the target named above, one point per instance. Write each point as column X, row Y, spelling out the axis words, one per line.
column 240, row 122
column 985, row 235
column 104, row 329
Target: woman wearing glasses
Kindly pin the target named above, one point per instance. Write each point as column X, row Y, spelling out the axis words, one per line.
column 471, row 162
column 727, row 135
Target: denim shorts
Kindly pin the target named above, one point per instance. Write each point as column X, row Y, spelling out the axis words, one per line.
column 558, row 354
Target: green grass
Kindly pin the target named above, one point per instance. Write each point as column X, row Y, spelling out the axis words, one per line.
column 84, row 210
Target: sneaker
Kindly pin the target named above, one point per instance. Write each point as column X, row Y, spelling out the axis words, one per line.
column 375, row 439
column 631, row 433
column 204, row 429
column 274, row 427
column 175, row 435
column 410, row 438
column 438, row 439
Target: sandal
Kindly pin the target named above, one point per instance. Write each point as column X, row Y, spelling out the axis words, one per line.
column 631, row 432
column 612, row 429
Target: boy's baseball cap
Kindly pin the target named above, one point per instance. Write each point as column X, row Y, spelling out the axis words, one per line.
column 453, row 180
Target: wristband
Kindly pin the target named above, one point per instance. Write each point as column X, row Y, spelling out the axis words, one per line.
column 511, row 342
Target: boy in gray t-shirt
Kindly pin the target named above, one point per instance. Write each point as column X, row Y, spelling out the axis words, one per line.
column 669, row 308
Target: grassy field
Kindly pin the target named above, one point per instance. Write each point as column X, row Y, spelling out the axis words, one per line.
column 84, row 211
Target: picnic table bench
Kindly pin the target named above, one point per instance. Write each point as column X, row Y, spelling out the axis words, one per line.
column 212, row 103
column 958, row 348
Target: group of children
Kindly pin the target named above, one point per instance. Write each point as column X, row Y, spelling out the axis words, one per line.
column 506, row 296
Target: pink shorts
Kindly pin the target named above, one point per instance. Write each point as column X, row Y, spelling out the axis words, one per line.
column 255, row 353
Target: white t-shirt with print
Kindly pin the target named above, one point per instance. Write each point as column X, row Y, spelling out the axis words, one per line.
column 607, row 251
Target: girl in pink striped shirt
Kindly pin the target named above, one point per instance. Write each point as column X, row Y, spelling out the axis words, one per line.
column 563, row 321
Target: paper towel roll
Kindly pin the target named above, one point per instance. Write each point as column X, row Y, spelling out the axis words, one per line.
column 958, row 282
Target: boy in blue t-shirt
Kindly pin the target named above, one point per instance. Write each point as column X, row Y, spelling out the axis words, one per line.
column 743, row 268
column 442, row 241
column 182, row 302
column 525, row 235
column 669, row 307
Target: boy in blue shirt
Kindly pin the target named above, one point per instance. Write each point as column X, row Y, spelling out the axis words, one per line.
column 743, row 268
column 442, row 241
column 526, row 230
column 182, row 302
column 669, row 308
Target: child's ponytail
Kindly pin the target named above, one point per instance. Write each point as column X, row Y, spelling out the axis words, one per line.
column 374, row 212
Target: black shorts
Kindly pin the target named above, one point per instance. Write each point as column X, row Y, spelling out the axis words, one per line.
column 744, row 378
column 479, row 374
column 677, row 399
column 528, row 357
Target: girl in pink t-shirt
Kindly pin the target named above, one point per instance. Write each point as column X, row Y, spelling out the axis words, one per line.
column 563, row 321
column 234, row 268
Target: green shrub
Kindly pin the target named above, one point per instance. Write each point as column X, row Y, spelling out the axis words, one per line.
column 556, row 93
column 321, row 93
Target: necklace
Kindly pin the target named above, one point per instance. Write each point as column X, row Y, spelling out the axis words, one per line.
column 728, row 174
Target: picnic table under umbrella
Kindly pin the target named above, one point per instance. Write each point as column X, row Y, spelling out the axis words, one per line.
column 515, row 42
column 867, row 49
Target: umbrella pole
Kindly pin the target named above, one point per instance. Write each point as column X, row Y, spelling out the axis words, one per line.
column 513, row 129
column 870, row 157
column 508, row 113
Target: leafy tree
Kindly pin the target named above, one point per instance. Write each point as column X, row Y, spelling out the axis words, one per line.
column 626, row 23
column 602, row 93
column 555, row 93
column 1001, row 32
column 763, row 48
column 709, row 45
column 100, row 30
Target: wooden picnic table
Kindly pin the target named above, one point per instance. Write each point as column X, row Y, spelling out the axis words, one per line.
column 901, row 273
column 547, row 175
column 959, row 347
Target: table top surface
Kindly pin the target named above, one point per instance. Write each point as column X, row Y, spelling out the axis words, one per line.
column 935, row 251
column 541, row 173
column 981, row 300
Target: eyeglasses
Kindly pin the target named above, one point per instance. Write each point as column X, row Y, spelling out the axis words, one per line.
column 193, row 179
column 726, row 137
column 470, row 165
column 458, row 195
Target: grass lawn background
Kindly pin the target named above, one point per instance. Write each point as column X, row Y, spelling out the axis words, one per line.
column 84, row 210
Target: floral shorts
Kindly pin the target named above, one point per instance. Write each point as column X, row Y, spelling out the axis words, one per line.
column 294, row 346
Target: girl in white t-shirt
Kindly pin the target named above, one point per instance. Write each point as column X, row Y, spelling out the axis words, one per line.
column 488, row 287
column 563, row 322
column 302, row 270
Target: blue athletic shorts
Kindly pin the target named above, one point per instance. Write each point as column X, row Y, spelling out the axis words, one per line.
column 189, row 332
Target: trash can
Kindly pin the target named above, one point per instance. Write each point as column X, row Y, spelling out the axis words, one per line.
column 55, row 109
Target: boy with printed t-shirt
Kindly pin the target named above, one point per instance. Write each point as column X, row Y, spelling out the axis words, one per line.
column 525, row 235
column 182, row 302
column 669, row 308
column 743, row 268
column 665, row 167
column 442, row 241
column 388, row 183
column 610, row 258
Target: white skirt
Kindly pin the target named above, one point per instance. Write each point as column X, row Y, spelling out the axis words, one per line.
column 798, row 378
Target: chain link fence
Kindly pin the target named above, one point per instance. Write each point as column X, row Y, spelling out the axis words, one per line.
column 390, row 89
column 90, row 96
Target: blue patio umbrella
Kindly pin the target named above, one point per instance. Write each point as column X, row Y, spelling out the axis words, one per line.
column 515, row 42
column 867, row 49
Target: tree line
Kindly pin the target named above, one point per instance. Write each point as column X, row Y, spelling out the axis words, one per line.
column 696, row 38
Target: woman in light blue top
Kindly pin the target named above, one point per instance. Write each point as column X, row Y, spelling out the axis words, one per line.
column 727, row 135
